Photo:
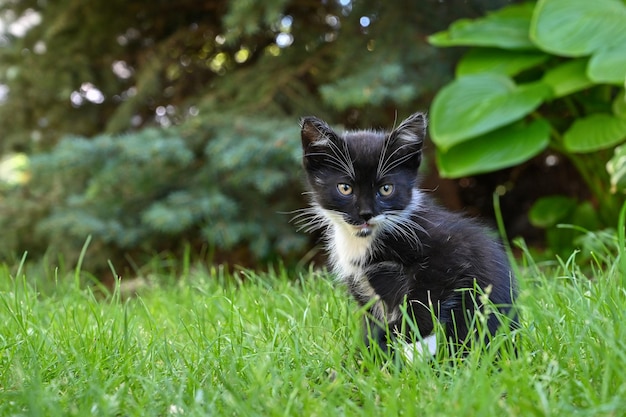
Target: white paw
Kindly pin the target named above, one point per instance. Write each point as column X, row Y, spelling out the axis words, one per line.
column 422, row 349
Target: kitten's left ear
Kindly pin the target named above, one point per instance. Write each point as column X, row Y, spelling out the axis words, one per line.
column 411, row 131
column 314, row 130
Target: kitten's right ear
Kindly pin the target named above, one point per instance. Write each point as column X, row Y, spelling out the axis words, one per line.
column 315, row 131
column 411, row 131
column 406, row 140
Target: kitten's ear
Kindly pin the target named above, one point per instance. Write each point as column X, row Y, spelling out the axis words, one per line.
column 406, row 141
column 411, row 131
column 315, row 131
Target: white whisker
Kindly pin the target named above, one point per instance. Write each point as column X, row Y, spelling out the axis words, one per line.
column 391, row 161
column 343, row 155
column 308, row 219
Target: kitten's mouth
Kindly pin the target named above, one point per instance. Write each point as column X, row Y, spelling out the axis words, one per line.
column 363, row 230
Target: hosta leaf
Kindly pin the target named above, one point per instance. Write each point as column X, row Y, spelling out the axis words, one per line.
column 608, row 65
column 578, row 27
column 506, row 28
column 568, row 77
column 548, row 211
column 595, row 132
column 500, row 61
column 619, row 105
column 502, row 148
column 476, row 104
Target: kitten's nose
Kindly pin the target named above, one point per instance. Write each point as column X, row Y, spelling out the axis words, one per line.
column 366, row 215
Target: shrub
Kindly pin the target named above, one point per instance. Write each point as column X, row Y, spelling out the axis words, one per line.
column 154, row 188
column 539, row 76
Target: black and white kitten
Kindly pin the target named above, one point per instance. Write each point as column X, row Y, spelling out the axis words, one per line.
column 390, row 244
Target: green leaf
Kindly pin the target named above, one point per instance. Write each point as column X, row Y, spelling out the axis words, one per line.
column 585, row 215
column 619, row 105
column 549, row 211
column 500, row 61
column 616, row 167
column 578, row 27
column 502, row 148
column 568, row 77
column 608, row 65
column 506, row 28
column 475, row 104
column 595, row 132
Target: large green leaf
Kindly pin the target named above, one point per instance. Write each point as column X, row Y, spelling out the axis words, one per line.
column 608, row 65
column 476, row 104
column 595, row 132
column 578, row 27
column 506, row 28
column 502, row 148
column 568, row 77
column 500, row 61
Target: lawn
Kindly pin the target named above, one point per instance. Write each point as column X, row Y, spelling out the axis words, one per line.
column 211, row 343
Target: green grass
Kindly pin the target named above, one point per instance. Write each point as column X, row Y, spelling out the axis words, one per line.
column 208, row 343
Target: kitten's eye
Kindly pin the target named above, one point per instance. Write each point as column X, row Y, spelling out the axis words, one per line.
column 386, row 190
column 345, row 189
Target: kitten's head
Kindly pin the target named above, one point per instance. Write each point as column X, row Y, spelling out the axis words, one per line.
column 362, row 178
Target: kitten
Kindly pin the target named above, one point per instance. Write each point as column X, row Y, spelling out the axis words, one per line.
column 390, row 244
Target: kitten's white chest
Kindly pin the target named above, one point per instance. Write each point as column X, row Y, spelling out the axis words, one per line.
column 348, row 252
column 348, row 255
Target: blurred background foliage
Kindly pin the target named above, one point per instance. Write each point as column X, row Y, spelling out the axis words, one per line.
column 154, row 126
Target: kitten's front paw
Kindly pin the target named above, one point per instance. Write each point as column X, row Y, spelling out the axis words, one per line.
column 424, row 349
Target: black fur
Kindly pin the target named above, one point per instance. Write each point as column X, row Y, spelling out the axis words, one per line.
column 406, row 249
